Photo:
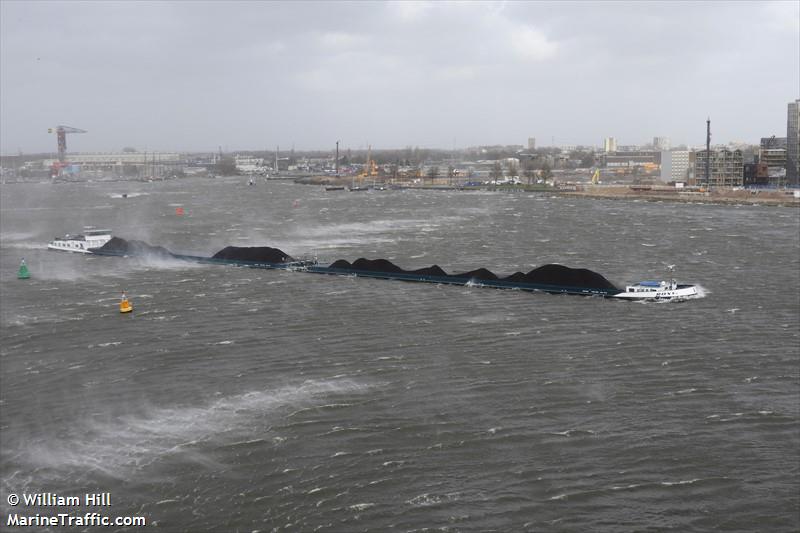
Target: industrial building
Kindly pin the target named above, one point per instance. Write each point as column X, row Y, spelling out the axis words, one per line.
column 246, row 164
column 726, row 168
column 129, row 164
column 643, row 158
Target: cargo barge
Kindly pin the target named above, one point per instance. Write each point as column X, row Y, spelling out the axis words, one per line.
column 586, row 282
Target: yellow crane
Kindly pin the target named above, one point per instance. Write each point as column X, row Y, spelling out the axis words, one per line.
column 596, row 176
column 365, row 170
column 370, row 167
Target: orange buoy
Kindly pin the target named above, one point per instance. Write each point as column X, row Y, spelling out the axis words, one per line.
column 124, row 305
column 179, row 211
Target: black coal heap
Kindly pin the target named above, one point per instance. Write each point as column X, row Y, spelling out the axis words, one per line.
column 255, row 254
column 480, row 274
column 119, row 246
column 570, row 277
column 376, row 265
column 434, row 270
column 544, row 275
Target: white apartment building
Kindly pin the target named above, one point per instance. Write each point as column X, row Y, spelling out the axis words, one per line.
column 676, row 165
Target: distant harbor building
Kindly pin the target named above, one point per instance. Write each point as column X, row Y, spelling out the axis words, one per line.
column 772, row 152
column 124, row 163
column 643, row 158
column 609, row 144
column 676, row 165
column 726, row 169
column 531, row 143
column 755, row 175
column 793, row 144
column 133, row 158
column 660, row 144
column 249, row 165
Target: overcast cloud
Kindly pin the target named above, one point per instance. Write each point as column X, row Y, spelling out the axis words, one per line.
column 193, row 76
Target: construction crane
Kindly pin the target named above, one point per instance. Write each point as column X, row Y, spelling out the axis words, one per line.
column 370, row 167
column 61, row 137
column 596, row 177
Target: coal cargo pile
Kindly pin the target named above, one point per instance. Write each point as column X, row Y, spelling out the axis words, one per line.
column 119, row 246
column 385, row 266
column 479, row 274
column 254, row 254
column 516, row 277
column 341, row 264
column 551, row 274
column 376, row 265
column 434, row 270
column 565, row 276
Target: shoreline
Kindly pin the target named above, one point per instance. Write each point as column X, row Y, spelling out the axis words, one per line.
column 772, row 198
column 719, row 196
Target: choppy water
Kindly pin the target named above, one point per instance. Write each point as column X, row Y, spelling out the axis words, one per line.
column 243, row 400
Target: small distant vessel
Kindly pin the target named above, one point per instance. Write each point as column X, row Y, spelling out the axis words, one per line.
column 658, row 290
column 91, row 238
column 357, row 188
column 334, row 188
column 124, row 305
column 251, row 181
column 23, row 272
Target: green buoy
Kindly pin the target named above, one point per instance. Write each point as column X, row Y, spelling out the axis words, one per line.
column 23, row 271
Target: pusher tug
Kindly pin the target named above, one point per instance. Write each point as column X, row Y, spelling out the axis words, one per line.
column 91, row 238
column 659, row 290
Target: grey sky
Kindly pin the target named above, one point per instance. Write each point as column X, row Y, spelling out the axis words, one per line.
column 252, row 75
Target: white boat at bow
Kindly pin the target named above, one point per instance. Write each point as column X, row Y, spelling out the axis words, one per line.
column 91, row 238
column 658, row 290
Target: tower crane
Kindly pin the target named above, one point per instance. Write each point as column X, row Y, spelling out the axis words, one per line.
column 61, row 137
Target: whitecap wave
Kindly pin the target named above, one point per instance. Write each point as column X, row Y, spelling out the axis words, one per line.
column 133, row 442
